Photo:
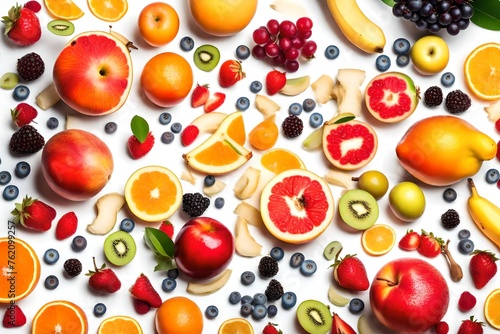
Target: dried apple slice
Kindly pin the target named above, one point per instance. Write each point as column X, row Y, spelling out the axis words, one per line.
column 209, row 287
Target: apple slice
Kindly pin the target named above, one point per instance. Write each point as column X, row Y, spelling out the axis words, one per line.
column 493, row 111
column 314, row 140
column 322, row 88
column 187, row 175
column 346, row 90
column 247, row 183
column 245, row 244
column 288, row 7
column 107, row 211
column 215, row 188
column 336, row 298
column 250, row 213
column 209, row 287
column 47, row 97
column 295, row 86
column 340, row 179
column 266, row 106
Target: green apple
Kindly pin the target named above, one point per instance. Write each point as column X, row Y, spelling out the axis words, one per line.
column 407, row 201
column 430, row 55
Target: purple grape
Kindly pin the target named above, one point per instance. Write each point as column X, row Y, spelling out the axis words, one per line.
column 297, row 42
column 304, row 24
column 288, row 29
column 259, row 52
column 285, row 43
column 273, row 26
column 261, row 36
column 272, row 50
column 309, row 49
column 292, row 54
column 292, row 65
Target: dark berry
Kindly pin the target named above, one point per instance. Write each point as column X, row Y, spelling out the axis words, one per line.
column 247, row 278
column 168, row 284
column 51, row 282
column 22, row 169
column 234, row 297
column 356, row 305
column 186, row 43
column 246, row 309
column 288, row 300
column 296, row 260
column 308, row 105
column 450, row 219
column 255, row 86
column 401, row 46
column 465, row 246
column 268, row 267
column 51, row 256
column 173, row 273
column 242, row 52
column 247, row 299
column 295, row 109
column 272, row 310
column 167, row 137
column 308, row 267
column 79, row 243
column 209, row 180
column 277, row 253
column 447, row 79
column 316, row 119
column 332, row 52
column 127, row 225
column 110, row 127
column 5, row 177
column 52, row 123
column 259, row 312
column 433, row 96
column 219, row 202
column 194, row 204
column 259, row 299
column 463, row 234
column 211, row 312
column 10, row 192
column 457, row 102
column 99, row 309
column 21, row 93
column 26, row 140
column 402, row 60
column 73, row 267
column 242, row 103
column 492, row 176
column 30, row 66
column 165, row 118
column 274, row 290
column 449, row 195
column 292, row 126
column 383, row 63
column 176, row 127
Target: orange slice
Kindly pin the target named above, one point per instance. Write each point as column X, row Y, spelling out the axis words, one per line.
column 153, row 193
column 63, row 9
column 491, row 307
column 482, row 71
column 60, row 316
column 108, row 10
column 236, row 325
column 279, row 160
column 119, row 325
column 378, row 239
column 20, row 267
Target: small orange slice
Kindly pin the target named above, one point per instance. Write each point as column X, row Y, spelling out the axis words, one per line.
column 482, row 71
column 236, row 325
column 108, row 10
column 60, row 316
column 279, row 160
column 378, row 239
column 119, row 325
column 63, row 9
column 491, row 307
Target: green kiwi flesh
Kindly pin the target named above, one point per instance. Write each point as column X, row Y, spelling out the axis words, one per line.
column 61, row 27
column 358, row 209
column 206, row 57
column 332, row 250
column 119, row 248
column 9, row 80
column 314, row 317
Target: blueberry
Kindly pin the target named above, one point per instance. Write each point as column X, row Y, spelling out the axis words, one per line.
column 259, row 299
column 10, row 192
column 51, row 256
column 259, row 312
column 165, row 118
column 402, row 60
column 465, row 246
column 356, row 305
column 176, row 127
column 110, row 127
column 383, row 63
column 219, row 202
column 449, row 195
column 167, row 137
column 332, row 52
column 234, row 297
column 463, row 234
column 209, row 180
column 247, row 299
column 492, row 176
column 168, row 284
column 255, row 86
column 99, row 309
column 308, row 105
column 21, row 93
column 51, row 282
column 22, row 169
column 211, row 312
column 127, row 225
column 242, row 103
column 187, row 43
column 272, row 310
column 447, row 79
column 247, row 277
column 401, row 46
column 246, row 309
column 277, row 253
column 52, row 123
column 295, row 109
column 308, row 267
column 5, row 177
column 242, row 52
column 288, row 300
column 79, row 243
column 316, row 119
column 173, row 273
column 296, row 259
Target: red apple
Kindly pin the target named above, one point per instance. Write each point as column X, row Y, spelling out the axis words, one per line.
column 76, row 164
column 409, row 295
column 203, row 248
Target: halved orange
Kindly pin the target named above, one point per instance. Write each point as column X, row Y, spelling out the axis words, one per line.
column 63, row 9
column 279, row 160
column 119, row 324
column 378, row 239
column 482, row 71
column 236, row 325
column 492, row 307
column 108, row 10
column 153, row 193
column 20, row 269
column 60, row 316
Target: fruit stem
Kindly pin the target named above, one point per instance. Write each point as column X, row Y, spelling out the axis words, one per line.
column 389, row 282
column 95, row 265
column 455, row 269
column 473, row 188
column 355, row 178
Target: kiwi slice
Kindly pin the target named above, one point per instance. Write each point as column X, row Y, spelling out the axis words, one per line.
column 358, row 209
column 314, row 317
column 332, row 250
column 9, row 80
column 61, row 27
column 119, row 248
column 206, row 57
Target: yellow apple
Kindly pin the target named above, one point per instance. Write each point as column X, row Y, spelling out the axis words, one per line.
column 430, row 55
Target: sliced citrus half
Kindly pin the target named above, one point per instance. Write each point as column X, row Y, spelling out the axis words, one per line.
column 20, row 268
column 236, row 325
column 296, row 206
column 60, row 316
column 492, row 307
column 482, row 71
column 378, row 239
column 63, row 9
column 119, row 324
column 108, row 10
column 153, row 193
column 223, row 151
column 279, row 160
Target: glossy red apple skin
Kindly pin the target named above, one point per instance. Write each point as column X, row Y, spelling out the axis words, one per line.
column 204, row 247
column 76, row 164
column 418, row 300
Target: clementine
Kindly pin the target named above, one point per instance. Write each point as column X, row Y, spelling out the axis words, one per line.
column 179, row 315
column 109, row 10
column 158, row 23
column 63, row 9
column 60, row 316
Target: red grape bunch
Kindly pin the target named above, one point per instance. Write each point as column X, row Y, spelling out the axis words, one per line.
column 285, row 43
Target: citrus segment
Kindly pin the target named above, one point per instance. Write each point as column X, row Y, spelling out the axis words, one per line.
column 491, row 307
column 179, row 315
column 482, row 71
column 296, row 206
column 265, row 134
column 60, row 316
column 63, row 9
column 236, row 325
column 108, row 10
column 236, row 130
column 378, row 239
column 119, row 325
column 279, row 160
column 20, row 268
column 153, row 193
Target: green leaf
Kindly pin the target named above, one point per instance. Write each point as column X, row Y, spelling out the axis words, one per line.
column 389, row 2
column 486, row 14
column 345, row 119
column 163, row 263
column 140, row 128
column 159, row 242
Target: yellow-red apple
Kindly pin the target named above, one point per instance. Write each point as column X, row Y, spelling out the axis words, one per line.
column 430, row 55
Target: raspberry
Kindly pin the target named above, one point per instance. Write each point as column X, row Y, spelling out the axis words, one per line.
column 433, row 96
column 33, row 5
column 292, row 126
column 194, row 204
column 466, row 302
column 268, row 267
column 441, row 328
column 450, row 219
column 30, row 66
column 457, row 102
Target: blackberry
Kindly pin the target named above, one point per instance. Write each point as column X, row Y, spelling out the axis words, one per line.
column 73, row 267
column 433, row 96
column 194, row 204
column 26, row 140
column 30, row 66
column 457, row 102
column 292, row 126
column 274, row 290
column 450, row 219
column 268, row 267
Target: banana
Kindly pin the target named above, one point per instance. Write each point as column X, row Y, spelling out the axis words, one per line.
column 356, row 27
column 485, row 214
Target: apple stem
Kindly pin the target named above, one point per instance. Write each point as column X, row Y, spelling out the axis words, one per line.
column 355, row 178
column 390, row 283
column 455, row 269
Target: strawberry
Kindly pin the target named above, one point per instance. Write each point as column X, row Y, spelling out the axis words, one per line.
column 482, row 267
column 13, row 317
column 466, row 302
column 66, row 226
column 167, row 228
column 23, row 114
column 230, row 72
column 442, row 327
column 22, row 26
column 214, row 102
column 471, row 326
column 33, row 5
column 350, row 273
column 103, row 279
column 138, row 149
column 34, row 214
column 270, row 328
column 143, row 290
column 409, row 241
column 189, row 134
column 140, row 306
column 200, row 95
column 430, row 245
column 275, row 81
column 340, row 326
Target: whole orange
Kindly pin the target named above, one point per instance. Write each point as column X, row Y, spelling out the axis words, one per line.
column 158, row 23
column 179, row 315
column 222, row 17
column 167, row 79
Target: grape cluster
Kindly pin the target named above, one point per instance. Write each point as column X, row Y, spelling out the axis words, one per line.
column 434, row 15
column 284, row 43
